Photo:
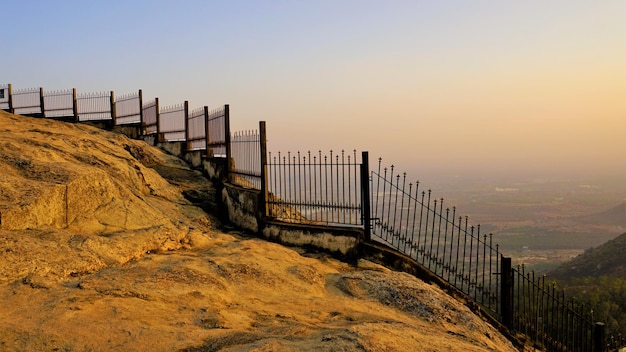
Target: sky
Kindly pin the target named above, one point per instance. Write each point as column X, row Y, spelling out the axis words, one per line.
column 438, row 88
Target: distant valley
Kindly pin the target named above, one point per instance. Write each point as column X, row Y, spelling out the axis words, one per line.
column 541, row 223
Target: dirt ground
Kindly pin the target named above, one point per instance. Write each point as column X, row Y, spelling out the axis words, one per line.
column 101, row 251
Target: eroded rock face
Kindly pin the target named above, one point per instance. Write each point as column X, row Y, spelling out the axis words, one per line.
column 81, row 194
column 99, row 252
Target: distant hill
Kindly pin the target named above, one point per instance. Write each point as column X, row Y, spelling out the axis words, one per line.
column 605, row 260
column 614, row 217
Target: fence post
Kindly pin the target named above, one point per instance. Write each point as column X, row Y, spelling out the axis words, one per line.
column 74, row 104
column 113, row 112
column 206, row 130
column 186, row 107
column 365, row 196
column 10, row 88
column 158, row 121
column 506, row 292
column 599, row 337
column 229, row 163
column 263, row 148
column 141, row 123
column 43, row 110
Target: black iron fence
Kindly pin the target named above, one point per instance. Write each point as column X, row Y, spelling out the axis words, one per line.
column 338, row 189
column 543, row 313
column 245, row 167
column 315, row 187
column 414, row 222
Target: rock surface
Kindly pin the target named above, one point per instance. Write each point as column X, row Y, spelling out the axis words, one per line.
column 101, row 253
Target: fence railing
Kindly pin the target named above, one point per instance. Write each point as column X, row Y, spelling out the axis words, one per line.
column 417, row 224
column 27, row 101
column 128, row 108
column 173, row 122
column 196, row 129
column 315, row 187
column 218, row 132
column 337, row 189
column 4, row 96
column 543, row 313
column 59, row 103
column 150, row 113
column 96, row 106
column 246, row 158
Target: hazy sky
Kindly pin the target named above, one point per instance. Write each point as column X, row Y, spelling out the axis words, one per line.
column 435, row 87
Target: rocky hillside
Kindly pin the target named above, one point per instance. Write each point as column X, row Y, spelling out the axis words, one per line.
column 102, row 252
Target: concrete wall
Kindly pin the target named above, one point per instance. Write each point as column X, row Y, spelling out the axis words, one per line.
column 243, row 209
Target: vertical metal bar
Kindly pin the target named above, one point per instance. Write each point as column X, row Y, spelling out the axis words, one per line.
column 113, row 112
column 413, row 244
column 439, row 217
column 74, row 104
column 471, row 256
column 407, row 241
column 365, row 196
column 400, row 239
column 41, row 103
column 464, row 252
column 229, row 161
column 142, row 123
column 376, row 213
column 263, row 159
column 186, row 117
column 395, row 210
column 382, row 214
column 506, row 299
column 432, row 233
column 451, row 268
column 458, row 250
column 299, row 184
column 342, row 201
column 445, row 265
column 10, row 93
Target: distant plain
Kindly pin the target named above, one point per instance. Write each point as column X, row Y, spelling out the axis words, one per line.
column 540, row 222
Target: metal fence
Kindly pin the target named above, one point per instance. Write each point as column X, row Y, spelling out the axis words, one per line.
column 4, row 96
column 150, row 112
column 59, row 103
column 246, row 159
column 27, row 101
column 543, row 314
column 415, row 223
column 196, row 129
column 128, row 108
column 338, row 189
column 95, row 106
column 218, row 132
column 315, row 187
column 172, row 123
